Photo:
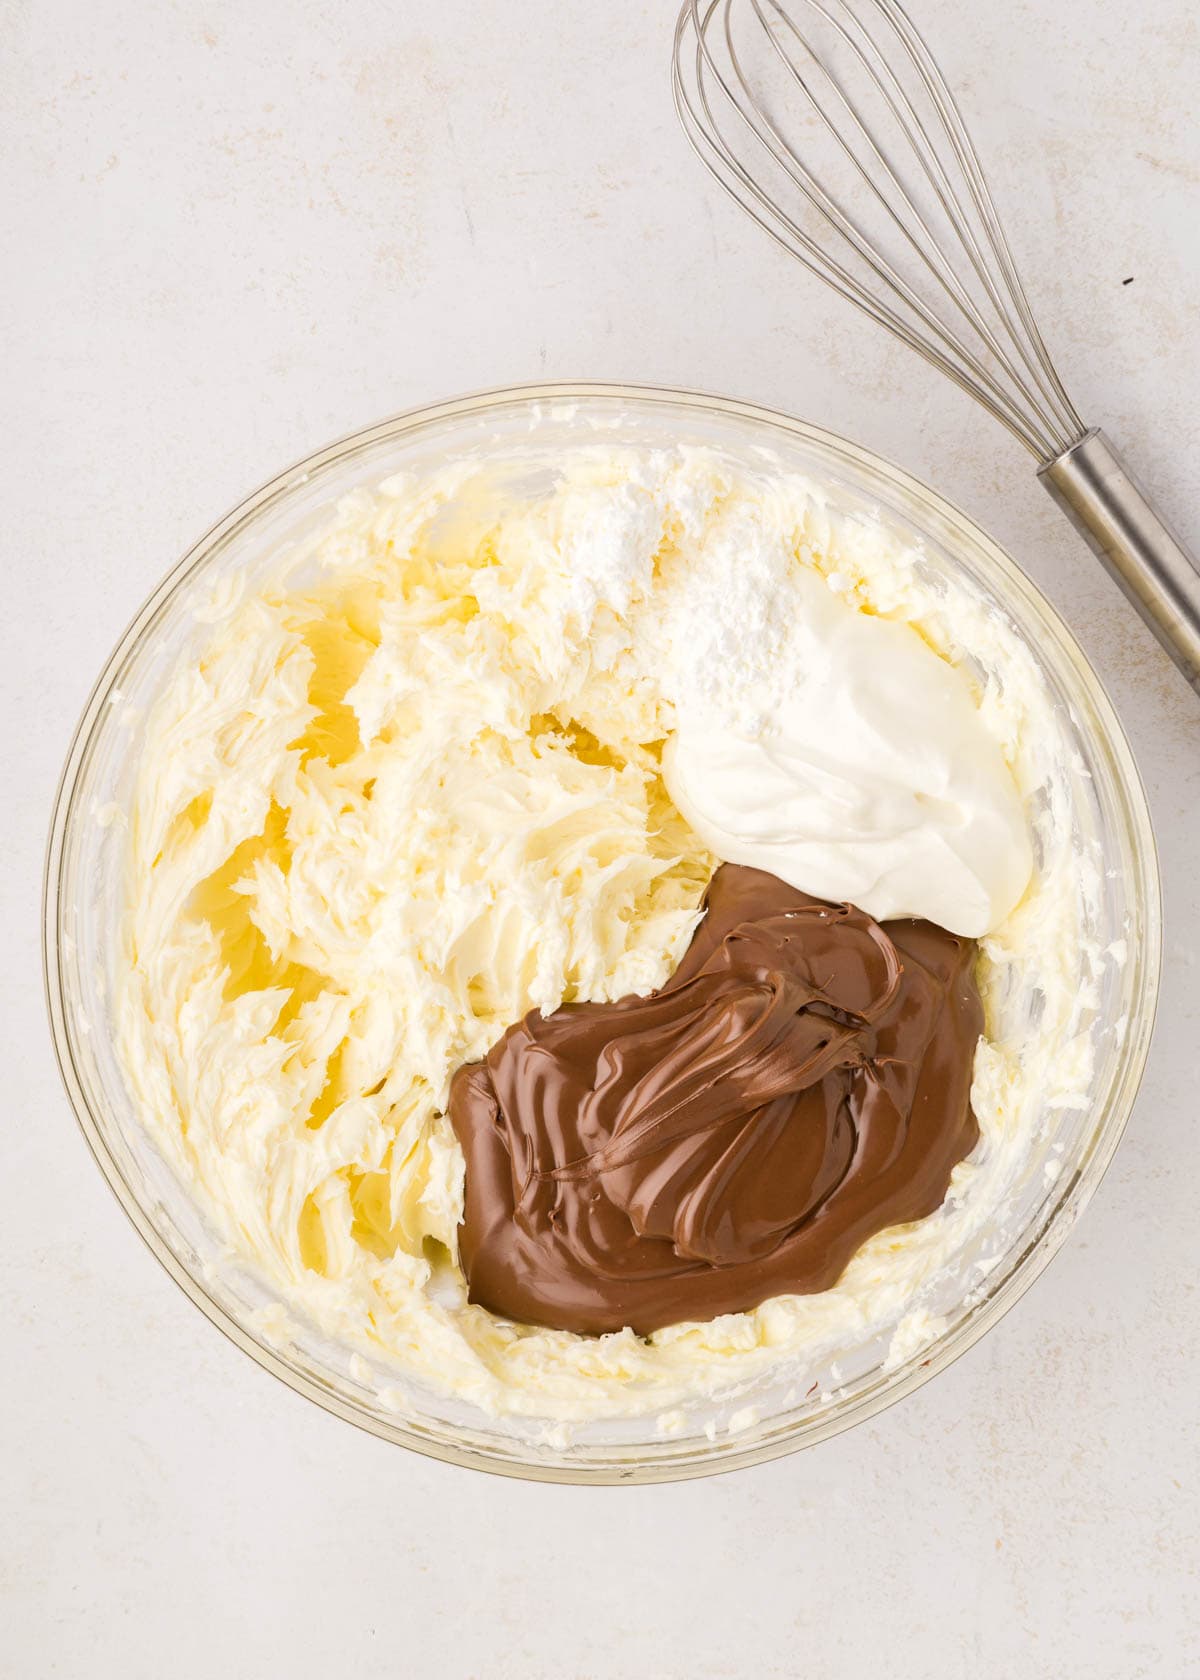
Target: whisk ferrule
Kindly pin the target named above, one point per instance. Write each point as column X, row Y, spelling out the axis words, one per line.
column 1133, row 541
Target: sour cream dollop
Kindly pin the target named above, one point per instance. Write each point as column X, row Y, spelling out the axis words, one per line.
column 868, row 775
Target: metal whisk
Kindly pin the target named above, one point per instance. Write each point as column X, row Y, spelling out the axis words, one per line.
column 831, row 125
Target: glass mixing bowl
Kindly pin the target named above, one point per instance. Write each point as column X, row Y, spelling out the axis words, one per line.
column 83, row 906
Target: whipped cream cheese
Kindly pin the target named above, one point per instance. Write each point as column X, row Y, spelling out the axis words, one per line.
column 414, row 786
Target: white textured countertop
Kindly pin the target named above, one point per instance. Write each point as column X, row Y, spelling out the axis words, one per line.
column 243, row 229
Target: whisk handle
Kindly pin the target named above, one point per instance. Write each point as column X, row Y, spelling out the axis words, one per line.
column 1133, row 541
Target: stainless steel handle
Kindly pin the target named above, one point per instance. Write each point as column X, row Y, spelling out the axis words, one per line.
column 1134, row 542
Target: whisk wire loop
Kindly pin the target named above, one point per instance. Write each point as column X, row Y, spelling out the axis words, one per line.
column 923, row 251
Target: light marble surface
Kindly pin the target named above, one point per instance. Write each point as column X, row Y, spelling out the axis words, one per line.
column 239, row 230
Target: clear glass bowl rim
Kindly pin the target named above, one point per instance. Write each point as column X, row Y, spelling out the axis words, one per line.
column 1027, row 1265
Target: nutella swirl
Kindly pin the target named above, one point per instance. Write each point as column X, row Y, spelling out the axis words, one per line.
column 800, row 1083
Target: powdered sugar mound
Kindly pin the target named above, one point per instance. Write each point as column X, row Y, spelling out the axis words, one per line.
column 608, row 539
column 725, row 624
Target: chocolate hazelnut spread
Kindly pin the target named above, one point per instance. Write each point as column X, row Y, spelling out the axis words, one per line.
column 799, row 1084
